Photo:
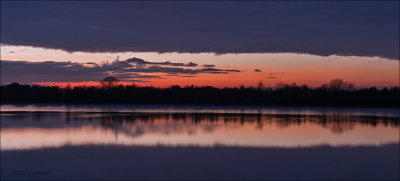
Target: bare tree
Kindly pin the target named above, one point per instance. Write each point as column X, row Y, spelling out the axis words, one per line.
column 260, row 85
column 109, row 82
column 337, row 83
column 340, row 84
column 281, row 85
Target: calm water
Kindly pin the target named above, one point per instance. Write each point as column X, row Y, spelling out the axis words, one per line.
column 191, row 142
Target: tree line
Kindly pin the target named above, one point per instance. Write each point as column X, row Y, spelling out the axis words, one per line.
column 336, row 93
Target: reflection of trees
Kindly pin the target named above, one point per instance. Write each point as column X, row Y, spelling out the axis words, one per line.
column 339, row 128
column 136, row 124
column 177, row 122
column 337, row 123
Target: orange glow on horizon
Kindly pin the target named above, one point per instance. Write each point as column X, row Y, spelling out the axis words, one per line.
column 302, row 69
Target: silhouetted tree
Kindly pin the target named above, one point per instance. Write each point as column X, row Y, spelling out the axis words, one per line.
column 109, row 82
column 68, row 87
column 260, row 85
column 340, row 84
column 281, row 85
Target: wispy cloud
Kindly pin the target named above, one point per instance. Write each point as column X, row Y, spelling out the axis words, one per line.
column 208, row 65
column 167, row 63
column 276, row 73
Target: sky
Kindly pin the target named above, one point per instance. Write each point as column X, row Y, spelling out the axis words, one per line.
column 221, row 44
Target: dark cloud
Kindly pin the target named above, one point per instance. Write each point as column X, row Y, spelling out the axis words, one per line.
column 232, row 70
column 130, row 76
column 133, row 69
column 217, row 71
column 321, row 28
column 276, row 73
column 272, row 77
column 208, row 65
column 176, row 70
column 257, row 70
column 26, row 72
column 167, row 63
column 191, row 64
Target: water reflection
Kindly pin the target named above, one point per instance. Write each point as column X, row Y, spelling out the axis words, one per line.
column 201, row 109
column 32, row 130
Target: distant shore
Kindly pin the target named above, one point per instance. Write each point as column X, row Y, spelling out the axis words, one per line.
column 288, row 95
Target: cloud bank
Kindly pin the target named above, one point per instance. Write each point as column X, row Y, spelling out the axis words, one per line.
column 320, row 28
column 133, row 69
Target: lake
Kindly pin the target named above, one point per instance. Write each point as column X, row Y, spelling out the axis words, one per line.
column 198, row 142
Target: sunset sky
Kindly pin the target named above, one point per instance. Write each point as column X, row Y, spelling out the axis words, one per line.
column 221, row 44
